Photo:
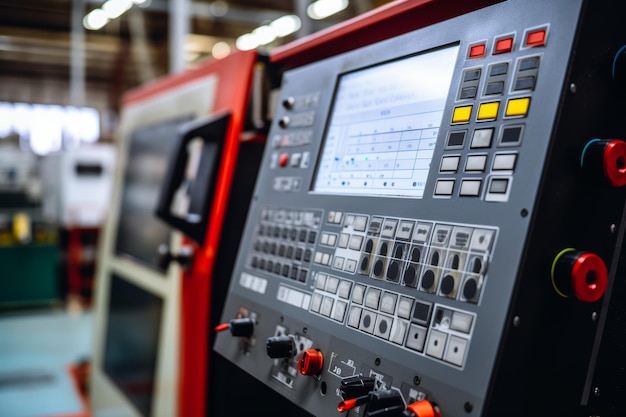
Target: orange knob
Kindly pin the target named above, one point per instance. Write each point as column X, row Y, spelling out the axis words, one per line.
column 311, row 362
column 424, row 408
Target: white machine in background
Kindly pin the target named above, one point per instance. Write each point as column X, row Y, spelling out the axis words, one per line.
column 77, row 185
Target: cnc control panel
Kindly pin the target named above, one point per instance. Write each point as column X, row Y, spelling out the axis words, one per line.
column 436, row 220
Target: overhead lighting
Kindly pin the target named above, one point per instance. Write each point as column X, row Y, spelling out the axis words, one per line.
column 95, row 20
column 286, row 25
column 322, row 9
column 263, row 35
column 220, row 50
column 115, row 8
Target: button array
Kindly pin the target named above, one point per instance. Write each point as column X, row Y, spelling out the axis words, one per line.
column 430, row 330
column 284, row 242
column 493, row 97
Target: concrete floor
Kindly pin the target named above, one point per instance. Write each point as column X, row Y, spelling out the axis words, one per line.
column 36, row 349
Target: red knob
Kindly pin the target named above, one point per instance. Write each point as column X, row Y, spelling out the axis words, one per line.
column 424, row 408
column 311, row 362
column 578, row 273
column 607, row 156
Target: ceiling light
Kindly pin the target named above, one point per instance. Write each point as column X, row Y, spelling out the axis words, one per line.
column 321, row 9
column 115, row 8
column 264, row 34
column 246, row 42
column 286, row 25
column 95, row 20
column 220, row 50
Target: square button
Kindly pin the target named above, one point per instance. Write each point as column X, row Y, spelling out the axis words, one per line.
column 462, row 114
column 482, row 138
column 383, row 326
column 332, row 284
column 327, row 306
column 511, row 135
column 388, row 303
column 372, row 298
column 468, row 92
column 536, row 37
column 529, row 63
column 320, row 282
column 436, row 344
column 503, row 46
column 316, row 302
column 344, row 238
column 398, row 331
column 358, row 294
column 368, row 321
column 444, row 187
column 476, row 163
column 455, row 351
column 524, row 83
column 355, row 242
column 477, row 51
column 470, row 188
column 517, row 107
column 404, row 307
column 340, row 311
column 471, row 75
column 499, row 185
column 504, row 162
column 495, row 88
column 461, row 322
column 354, row 317
column 416, row 338
column 456, row 139
column 344, row 288
column 450, row 163
column 488, row 111
column 499, row 69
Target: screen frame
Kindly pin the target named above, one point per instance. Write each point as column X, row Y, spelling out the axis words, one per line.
column 333, row 103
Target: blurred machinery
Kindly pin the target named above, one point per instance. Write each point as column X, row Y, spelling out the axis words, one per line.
column 437, row 224
column 182, row 150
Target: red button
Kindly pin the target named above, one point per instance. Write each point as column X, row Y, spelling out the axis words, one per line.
column 503, row 46
column 477, row 51
column 283, row 160
column 536, row 38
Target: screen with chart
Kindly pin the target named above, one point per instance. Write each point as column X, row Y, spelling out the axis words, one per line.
column 383, row 127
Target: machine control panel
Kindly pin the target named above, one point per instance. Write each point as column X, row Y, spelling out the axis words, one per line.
column 411, row 227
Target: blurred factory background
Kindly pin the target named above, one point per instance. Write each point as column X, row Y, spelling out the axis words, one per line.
column 65, row 66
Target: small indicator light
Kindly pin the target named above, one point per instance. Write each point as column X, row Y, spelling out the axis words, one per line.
column 536, row 38
column 503, row 46
column 477, row 51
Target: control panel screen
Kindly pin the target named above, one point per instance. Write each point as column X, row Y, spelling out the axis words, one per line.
column 383, row 127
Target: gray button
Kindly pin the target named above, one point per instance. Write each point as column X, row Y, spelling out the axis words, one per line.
column 368, row 321
column 470, row 188
column 444, row 187
column 344, row 289
column 388, row 303
column 436, row 344
column 340, row 310
column 331, row 284
column 416, row 338
column 476, row 163
column 455, row 351
column 499, row 185
column 450, row 163
column 372, row 298
column 482, row 138
column 461, row 322
column 327, row 306
column 316, row 302
column 398, row 331
column 383, row 326
column 504, row 162
column 404, row 307
column 358, row 294
column 354, row 318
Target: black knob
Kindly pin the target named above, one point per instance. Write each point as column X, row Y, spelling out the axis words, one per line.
column 356, row 386
column 184, row 257
column 388, row 403
column 280, row 347
column 241, row 327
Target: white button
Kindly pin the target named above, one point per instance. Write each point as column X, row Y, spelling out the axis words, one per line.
column 461, row 322
column 416, row 338
column 422, row 232
column 331, row 217
column 504, row 162
column 338, row 262
column 368, row 321
column 372, row 298
column 476, row 163
column 331, row 284
column 360, row 223
column 389, row 228
column 355, row 242
column 349, row 220
column 324, row 239
column 455, row 351
column 338, row 217
column 388, row 303
column 321, row 281
column 404, row 307
column 470, row 188
column 340, row 310
column 354, row 318
column 436, row 344
column 318, row 257
column 332, row 239
column 327, row 306
column 350, row 265
column 383, row 326
column 326, row 259
column 344, row 238
column 450, row 163
column 344, row 289
column 404, row 231
column 358, row 294
column 482, row 138
column 316, row 302
column 481, row 239
column 306, row 158
column 444, row 187
column 398, row 330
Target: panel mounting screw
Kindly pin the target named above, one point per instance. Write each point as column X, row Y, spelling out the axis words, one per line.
column 516, row 321
column 596, row 391
column 572, row 88
column 613, row 228
column 417, row 380
column 468, row 407
column 594, row 316
column 377, row 361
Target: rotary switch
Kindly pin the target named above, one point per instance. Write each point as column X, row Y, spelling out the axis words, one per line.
column 311, row 362
column 241, row 327
column 280, row 347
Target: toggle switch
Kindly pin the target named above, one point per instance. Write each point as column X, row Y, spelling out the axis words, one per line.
column 422, row 408
column 579, row 273
column 606, row 158
column 280, row 347
column 311, row 362
column 241, row 327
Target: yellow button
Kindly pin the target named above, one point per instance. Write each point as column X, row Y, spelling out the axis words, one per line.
column 517, row 107
column 462, row 114
column 488, row 111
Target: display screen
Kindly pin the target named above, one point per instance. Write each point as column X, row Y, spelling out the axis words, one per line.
column 383, row 127
column 139, row 231
column 132, row 340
